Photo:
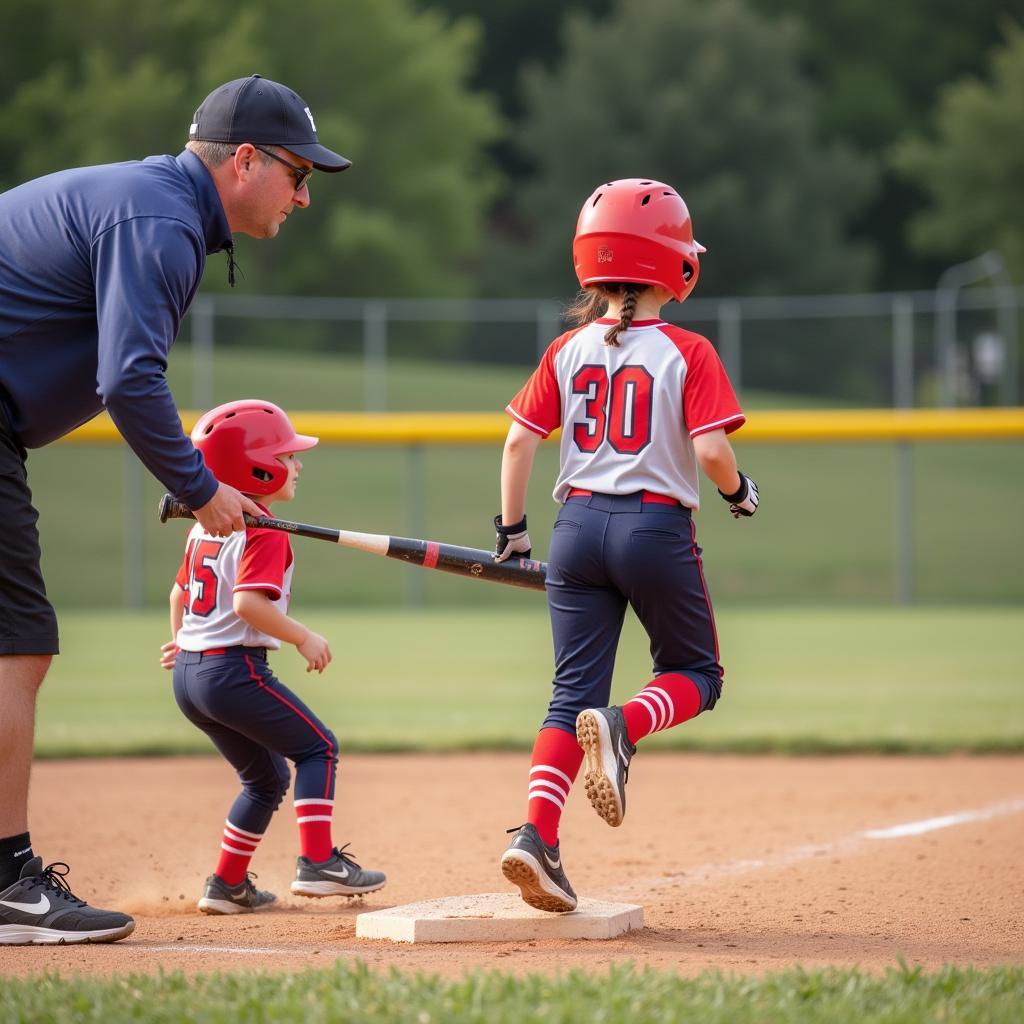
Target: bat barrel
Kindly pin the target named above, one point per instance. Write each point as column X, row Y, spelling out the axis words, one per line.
column 473, row 562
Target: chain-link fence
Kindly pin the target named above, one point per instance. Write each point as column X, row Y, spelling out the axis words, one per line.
column 948, row 347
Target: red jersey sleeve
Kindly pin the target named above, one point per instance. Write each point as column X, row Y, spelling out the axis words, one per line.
column 709, row 402
column 538, row 406
column 183, row 571
column 267, row 555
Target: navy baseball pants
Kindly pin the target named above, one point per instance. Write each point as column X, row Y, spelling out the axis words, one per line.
column 607, row 552
column 256, row 722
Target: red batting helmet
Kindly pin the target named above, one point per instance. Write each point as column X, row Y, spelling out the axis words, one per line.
column 637, row 230
column 240, row 442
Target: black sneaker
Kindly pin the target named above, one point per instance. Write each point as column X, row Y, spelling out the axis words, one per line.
column 537, row 869
column 220, row 898
column 339, row 875
column 601, row 732
column 41, row 909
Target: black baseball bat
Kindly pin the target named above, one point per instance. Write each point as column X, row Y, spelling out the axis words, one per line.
column 473, row 562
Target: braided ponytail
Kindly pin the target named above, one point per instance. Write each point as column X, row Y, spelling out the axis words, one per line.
column 592, row 303
column 630, row 294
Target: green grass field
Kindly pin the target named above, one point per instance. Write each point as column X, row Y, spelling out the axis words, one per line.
column 798, row 679
column 350, row 992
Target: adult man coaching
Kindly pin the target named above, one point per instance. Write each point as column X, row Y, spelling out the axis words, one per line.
column 98, row 265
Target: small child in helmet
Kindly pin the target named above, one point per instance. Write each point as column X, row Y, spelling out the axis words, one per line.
column 229, row 607
column 641, row 404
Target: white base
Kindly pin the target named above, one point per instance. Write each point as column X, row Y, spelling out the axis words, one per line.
column 496, row 917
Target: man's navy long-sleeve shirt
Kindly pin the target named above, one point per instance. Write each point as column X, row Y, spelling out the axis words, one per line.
column 98, row 265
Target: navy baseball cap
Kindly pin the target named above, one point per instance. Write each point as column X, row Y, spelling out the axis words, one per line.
column 257, row 110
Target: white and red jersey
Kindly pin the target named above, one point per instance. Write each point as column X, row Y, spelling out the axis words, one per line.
column 215, row 569
column 629, row 413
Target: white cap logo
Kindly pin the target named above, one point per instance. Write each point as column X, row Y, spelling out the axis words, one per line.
column 193, row 128
column 312, row 124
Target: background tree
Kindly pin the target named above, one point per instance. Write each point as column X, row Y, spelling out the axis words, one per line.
column 117, row 80
column 877, row 68
column 515, row 33
column 107, row 79
column 710, row 98
column 972, row 168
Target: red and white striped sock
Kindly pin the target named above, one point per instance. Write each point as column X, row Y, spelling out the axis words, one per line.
column 236, row 849
column 554, row 766
column 315, row 817
column 664, row 702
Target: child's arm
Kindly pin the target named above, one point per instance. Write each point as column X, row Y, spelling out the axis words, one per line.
column 516, row 463
column 259, row 611
column 718, row 460
column 169, row 651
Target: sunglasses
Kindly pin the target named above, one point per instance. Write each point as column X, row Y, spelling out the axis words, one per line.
column 301, row 173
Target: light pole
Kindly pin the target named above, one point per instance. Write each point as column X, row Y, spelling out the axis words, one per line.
column 947, row 289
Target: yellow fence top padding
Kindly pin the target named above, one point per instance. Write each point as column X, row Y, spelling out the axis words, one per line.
column 767, row 426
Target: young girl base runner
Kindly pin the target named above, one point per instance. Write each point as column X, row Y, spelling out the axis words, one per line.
column 641, row 404
column 229, row 607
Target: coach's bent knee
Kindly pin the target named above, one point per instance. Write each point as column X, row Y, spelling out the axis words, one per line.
column 24, row 672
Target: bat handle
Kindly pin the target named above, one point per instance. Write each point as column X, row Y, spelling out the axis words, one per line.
column 171, row 508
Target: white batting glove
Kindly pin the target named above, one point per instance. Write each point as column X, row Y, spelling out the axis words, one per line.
column 744, row 501
column 511, row 540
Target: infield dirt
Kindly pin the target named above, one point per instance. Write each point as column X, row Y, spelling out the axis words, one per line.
column 745, row 864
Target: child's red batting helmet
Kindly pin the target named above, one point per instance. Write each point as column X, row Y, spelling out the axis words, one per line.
column 637, row 230
column 240, row 442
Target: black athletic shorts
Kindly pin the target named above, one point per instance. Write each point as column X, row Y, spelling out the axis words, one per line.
column 28, row 624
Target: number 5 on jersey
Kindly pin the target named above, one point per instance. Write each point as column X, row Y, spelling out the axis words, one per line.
column 624, row 421
column 202, row 580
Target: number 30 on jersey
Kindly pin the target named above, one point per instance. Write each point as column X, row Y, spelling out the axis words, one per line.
column 616, row 410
